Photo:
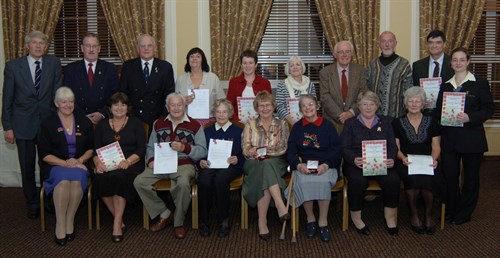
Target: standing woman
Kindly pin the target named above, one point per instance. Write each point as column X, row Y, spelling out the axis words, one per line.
column 248, row 84
column 465, row 144
column 64, row 146
column 198, row 76
column 293, row 86
column 115, row 188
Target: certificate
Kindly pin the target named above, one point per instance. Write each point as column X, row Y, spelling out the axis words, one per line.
column 293, row 109
column 453, row 104
column 374, row 157
column 200, row 107
column 111, row 155
column 431, row 87
column 245, row 109
column 165, row 159
column 218, row 153
column 420, row 165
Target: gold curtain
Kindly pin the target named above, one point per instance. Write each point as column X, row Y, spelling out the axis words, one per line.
column 235, row 25
column 355, row 20
column 129, row 19
column 20, row 17
column 458, row 19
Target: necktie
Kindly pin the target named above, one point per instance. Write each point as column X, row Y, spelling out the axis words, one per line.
column 146, row 72
column 90, row 73
column 38, row 76
column 344, row 85
column 436, row 69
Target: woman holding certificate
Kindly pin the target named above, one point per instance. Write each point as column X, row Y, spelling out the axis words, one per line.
column 465, row 143
column 314, row 153
column 114, row 184
column 264, row 147
column 417, row 134
column 369, row 150
column 64, row 146
column 213, row 179
column 291, row 88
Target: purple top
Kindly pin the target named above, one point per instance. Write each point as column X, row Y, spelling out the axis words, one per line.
column 71, row 140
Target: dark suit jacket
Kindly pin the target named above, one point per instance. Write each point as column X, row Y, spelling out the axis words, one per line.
column 148, row 101
column 22, row 107
column 331, row 94
column 52, row 140
column 420, row 69
column 479, row 107
column 91, row 99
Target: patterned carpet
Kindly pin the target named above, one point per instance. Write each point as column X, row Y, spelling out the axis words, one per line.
column 20, row 237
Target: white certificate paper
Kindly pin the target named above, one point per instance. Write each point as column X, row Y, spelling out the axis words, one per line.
column 218, row 153
column 420, row 165
column 293, row 109
column 165, row 159
column 453, row 104
column 245, row 109
column 374, row 157
column 431, row 87
column 111, row 155
column 200, row 107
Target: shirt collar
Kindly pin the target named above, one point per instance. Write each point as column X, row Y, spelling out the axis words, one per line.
column 439, row 60
column 184, row 119
column 340, row 68
column 316, row 122
column 376, row 119
column 468, row 77
column 224, row 127
column 150, row 63
column 31, row 60
column 87, row 63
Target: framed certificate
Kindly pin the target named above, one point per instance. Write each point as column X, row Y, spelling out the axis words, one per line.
column 111, row 155
column 293, row 109
column 245, row 109
column 374, row 157
column 453, row 104
column 431, row 87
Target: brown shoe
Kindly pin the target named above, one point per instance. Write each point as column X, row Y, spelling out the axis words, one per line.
column 180, row 232
column 162, row 223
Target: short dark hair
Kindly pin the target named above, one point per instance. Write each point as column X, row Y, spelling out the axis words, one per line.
column 116, row 98
column 249, row 53
column 204, row 64
column 91, row 35
column 461, row 49
column 436, row 34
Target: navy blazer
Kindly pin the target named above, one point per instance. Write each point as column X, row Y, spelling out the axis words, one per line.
column 91, row 99
column 147, row 101
column 22, row 107
column 420, row 69
column 479, row 106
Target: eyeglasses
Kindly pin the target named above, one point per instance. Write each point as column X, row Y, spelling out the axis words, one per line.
column 310, row 104
column 344, row 52
column 221, row 112
column 87, row 46
column 265, row 105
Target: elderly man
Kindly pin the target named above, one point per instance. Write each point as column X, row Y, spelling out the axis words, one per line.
column 93, row 80
column 389, row 76
column 186, row 136
column 28, row 95
column 340, row 84
column 147, row 81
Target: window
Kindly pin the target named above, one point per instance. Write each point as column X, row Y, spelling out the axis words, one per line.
column 485, row 50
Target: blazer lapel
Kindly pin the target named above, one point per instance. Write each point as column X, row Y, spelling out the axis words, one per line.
column 335, row 80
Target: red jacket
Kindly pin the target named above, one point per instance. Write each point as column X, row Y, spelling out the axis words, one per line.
column 238, row 84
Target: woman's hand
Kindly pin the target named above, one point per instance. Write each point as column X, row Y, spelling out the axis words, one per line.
column 463, row 117
column 389, row 163
column 302, row 168
column 151, row 164
column 323, row 168
column 72, row 162
column 124, row 164
column 252, row 152
column 189, row 99
column 406, row 162
column 434, row 164
column 204, row 164
column 100, row 168
column 358, row 162
column 233, row 160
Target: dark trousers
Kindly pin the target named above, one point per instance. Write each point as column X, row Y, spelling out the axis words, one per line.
column 357, row 184
column 27, row 155
column 215, row 182
column 460, row 203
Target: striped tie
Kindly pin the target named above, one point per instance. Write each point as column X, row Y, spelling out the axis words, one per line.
column 38, row 76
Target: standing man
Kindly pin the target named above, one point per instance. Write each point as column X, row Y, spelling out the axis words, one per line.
column 340, row 83
column 28, row 95
column 92, row 80
column 147, row 81
column 186, row 136
column 389, row 76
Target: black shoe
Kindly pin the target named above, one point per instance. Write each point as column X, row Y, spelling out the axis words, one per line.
column 311, row 229
column 265, row 237
column 460, row 221
column 70, row 237
column 418, row 229
column 117, row 238
column 363, row 231
column 392, row 231
column 60, row 242
column 324, row 234
column 204, row 230
column 429, row 230
column 223, row 230
column 33, row 214
column 449, row 219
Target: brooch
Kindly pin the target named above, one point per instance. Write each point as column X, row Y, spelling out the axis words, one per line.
column 60, row 129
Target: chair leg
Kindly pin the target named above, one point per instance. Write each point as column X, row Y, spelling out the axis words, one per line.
column 89, row 207
column 194, row 206
column 145, row 218
column 345, row 209
column 443, row 214
column 97, row 214
column 42, row 208
column 244, row 213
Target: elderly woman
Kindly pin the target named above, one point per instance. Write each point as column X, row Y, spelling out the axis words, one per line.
column 64, row 146
column 465, row 144
column 198, row 76
column 313, row 153
column 264, row 147
column 115, row 187
column 417, row 134
column 214, row 182
column 293, row 86
column 248, row 84
column 369, row 126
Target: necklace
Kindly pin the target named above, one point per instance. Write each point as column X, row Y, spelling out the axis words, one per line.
column 117, row 133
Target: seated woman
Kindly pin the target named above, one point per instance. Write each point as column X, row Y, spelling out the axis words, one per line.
column 64, row 145
column 417, row 134
column 369, row 126
column 264, row 147
column 214, row 182
column 313, row 140
column 115, row 187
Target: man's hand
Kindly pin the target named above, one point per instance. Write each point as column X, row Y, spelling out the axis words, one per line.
column 95, row 117
column 9, row 136
column 344, row 116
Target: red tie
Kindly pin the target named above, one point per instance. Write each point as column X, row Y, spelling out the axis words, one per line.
column 91, row 75
column 344, row 85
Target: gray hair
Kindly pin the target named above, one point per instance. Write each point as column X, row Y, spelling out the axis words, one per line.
column 224, row 102
column 36, row 34
column 173, row 95
column 415, row 91
column 143, row 35
column 307, row 96
column 293, row 58
column 64, row 93
column 335, row 48
column 368, row 95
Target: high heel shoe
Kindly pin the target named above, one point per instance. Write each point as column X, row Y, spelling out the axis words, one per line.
column 363, row 231
column 117, row 238
column 284, row 217
column 392, row 231
column 70, row 237
column 265, row 236
column 60, row 242
column 418, row 229
column 429, row 230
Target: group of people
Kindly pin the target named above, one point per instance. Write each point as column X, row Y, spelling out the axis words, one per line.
column 96, row 108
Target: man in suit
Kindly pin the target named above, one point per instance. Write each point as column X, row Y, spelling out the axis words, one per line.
column 28, row 95
column 92, row 80
column 147, row 81
column 340, row 83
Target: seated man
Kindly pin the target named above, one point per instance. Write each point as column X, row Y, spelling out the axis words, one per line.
column 186, row 136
